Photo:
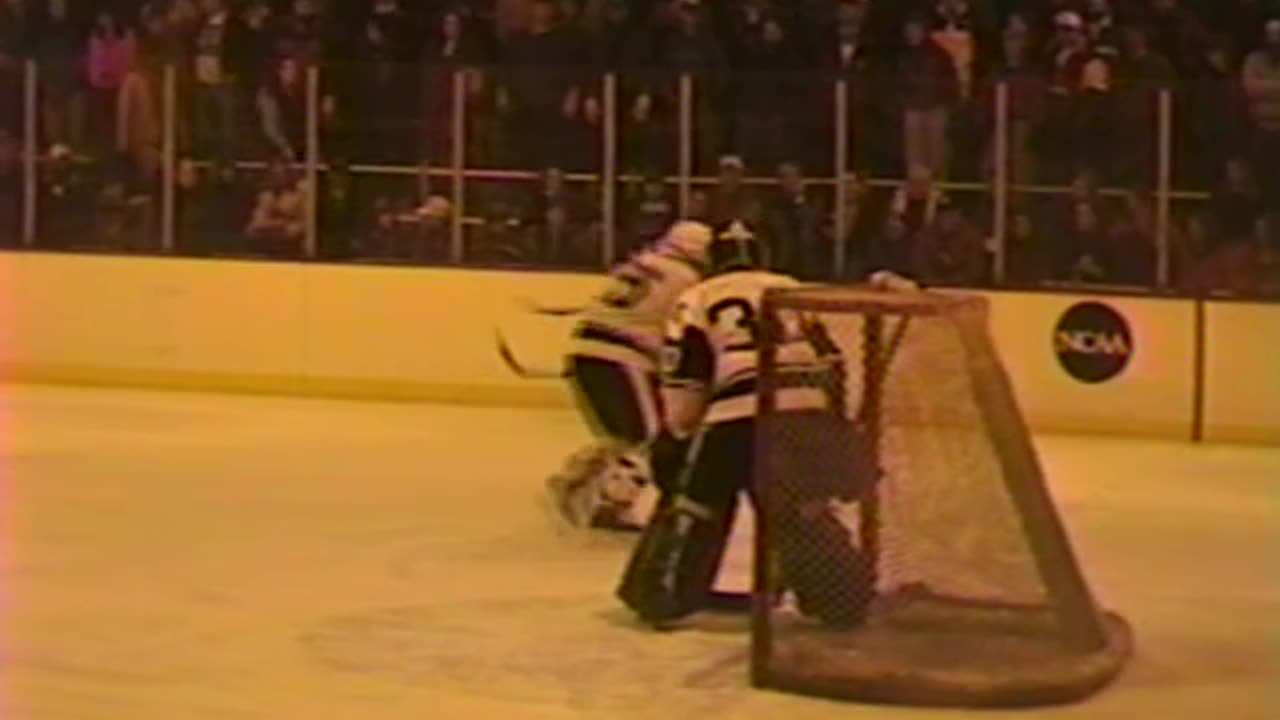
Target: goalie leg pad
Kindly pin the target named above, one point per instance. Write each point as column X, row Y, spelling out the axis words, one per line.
column 678, row 557
column 825, row 456
column 831, row 578
column 674, row 565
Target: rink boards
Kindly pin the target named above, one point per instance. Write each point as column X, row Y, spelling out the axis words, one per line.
column 1081, row 363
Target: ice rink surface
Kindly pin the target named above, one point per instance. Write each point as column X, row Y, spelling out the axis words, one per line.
column 182, row 556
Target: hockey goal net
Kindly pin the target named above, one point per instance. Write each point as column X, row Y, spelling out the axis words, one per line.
column 908, row 550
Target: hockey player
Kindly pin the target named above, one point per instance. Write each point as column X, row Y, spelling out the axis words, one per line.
column 613, row 368
column 709, row 393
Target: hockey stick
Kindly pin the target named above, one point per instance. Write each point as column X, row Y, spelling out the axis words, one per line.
column 537, row 308
column 509, row 359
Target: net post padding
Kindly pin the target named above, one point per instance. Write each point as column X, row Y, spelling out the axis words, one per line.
column 973, row 596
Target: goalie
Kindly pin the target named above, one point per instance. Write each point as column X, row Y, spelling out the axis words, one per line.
column 613, row 366
column 709, row 393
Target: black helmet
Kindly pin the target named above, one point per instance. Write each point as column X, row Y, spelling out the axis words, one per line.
column 735, row 247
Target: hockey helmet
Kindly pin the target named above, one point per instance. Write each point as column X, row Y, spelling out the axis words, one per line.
column 689, row 239
column 736, row 247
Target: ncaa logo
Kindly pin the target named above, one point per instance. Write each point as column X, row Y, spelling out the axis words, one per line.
column 1093, row 342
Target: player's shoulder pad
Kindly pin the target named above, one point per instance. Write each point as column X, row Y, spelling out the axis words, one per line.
column 686, row 310
column 675, row 268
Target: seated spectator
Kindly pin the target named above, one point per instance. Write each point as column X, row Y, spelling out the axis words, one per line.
column 893, row 249
column 1237, row 204
column 730, row 199
column 859, row 227
column 502, row 240
column 1026, row 250
column 950, row 252
column 405, row 230
column 1082, row 250
column 553, row 214
column 699, row 206
column 1083, row 191
column 1129, row 256
column 124, row 217
column 916, row 204
column 210, row 208
column 435, row 217
column 650, row 213
column 794, row 225
column 1235, row 269
column 340, row 215
column 66, row 200
column 278, row 224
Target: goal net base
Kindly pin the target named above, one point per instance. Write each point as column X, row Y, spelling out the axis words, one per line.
column 918, row 648
column 907, row 527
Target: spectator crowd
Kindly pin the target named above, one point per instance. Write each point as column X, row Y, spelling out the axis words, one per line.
column 1083, row 79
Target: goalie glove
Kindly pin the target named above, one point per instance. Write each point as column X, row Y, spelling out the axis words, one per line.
column 892, row 282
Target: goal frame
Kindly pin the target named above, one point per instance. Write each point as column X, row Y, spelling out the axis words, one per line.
column 1079, row 622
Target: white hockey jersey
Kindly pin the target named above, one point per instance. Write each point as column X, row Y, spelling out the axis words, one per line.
column 625, row 322
column 712, row 347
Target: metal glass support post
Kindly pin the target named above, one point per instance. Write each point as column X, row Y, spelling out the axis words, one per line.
column 1164, row 182
column 168, row 158
column 1000, row 186
column 685, row 159
column 30, row 151
column 457, row 160
column 312, row 168
column 840, row 163
column 609, row 171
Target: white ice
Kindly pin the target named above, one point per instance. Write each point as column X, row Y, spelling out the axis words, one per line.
column 183, row 556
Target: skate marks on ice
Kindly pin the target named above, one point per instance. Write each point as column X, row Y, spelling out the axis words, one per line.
column 572, row 651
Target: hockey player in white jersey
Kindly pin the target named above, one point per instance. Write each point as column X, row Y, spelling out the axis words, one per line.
column 709, row 393
column 613, row 368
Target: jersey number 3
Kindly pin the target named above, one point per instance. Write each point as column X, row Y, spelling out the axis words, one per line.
column 734, row 320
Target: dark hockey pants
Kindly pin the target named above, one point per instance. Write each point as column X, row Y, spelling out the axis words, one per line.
column 619, row 402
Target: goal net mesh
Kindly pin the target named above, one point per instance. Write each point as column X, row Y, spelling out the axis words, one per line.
column 908, row 548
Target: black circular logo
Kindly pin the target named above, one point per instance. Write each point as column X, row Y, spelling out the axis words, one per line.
column 1093, row 342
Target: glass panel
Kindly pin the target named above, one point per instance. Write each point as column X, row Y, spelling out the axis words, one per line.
column 98, row 139
column 241, row 147
column 544, row 208
column 12, row 186
column 1224, row 222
